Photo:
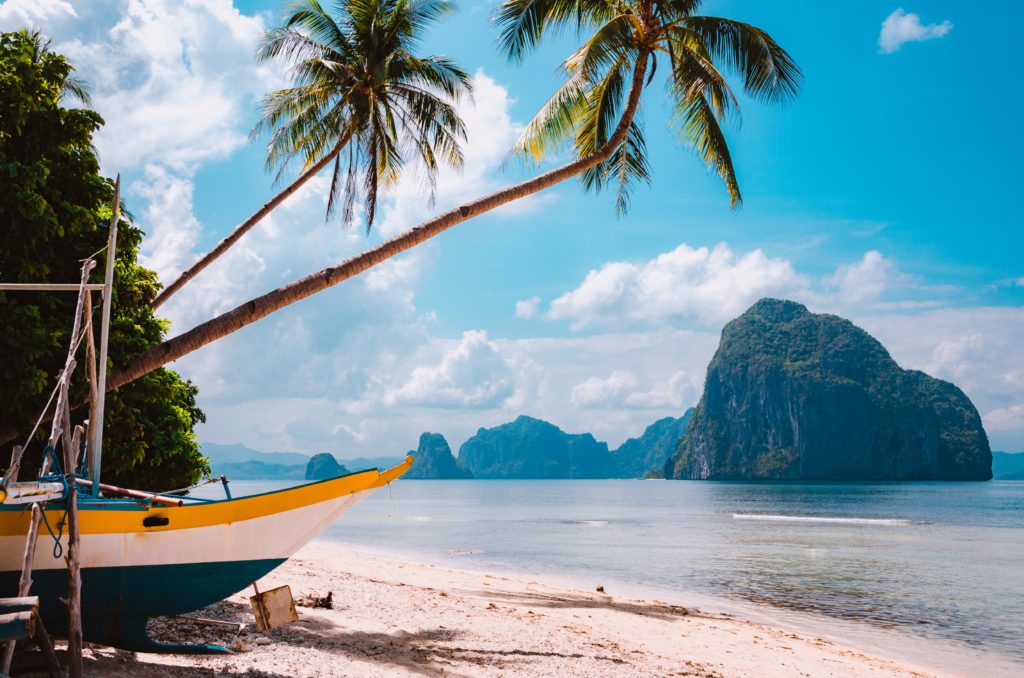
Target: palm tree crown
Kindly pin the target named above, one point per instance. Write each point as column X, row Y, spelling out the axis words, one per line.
column 627, row 35
column 361, row 93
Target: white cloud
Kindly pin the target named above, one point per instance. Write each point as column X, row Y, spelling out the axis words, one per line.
column 1020, row 282
column 865, row 280
column 622, row 389
column 1009, row 419
column 527, row 308
column 174, row 81
column 901, row 27
column 19, row 13
column 710, row 286
column 471, row 374
column 172, row 227
column 602, row 392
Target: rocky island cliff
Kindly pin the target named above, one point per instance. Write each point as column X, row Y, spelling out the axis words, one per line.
column 793, row 395
column 532, row 448
column 435, row 461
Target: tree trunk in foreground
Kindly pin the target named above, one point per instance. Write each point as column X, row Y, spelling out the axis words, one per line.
column 247, row 225
column 260, row 307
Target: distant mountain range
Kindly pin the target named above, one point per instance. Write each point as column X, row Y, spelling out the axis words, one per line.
column 529, row 448
column 1007, row 466
column 239, row 462
column 789, row 395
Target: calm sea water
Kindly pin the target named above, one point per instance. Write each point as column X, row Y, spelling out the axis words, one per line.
column 937, row 560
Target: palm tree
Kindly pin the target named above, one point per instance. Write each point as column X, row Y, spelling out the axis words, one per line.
column 361, row 97
column 595, row 109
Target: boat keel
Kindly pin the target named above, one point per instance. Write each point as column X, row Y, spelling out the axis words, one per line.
column 131, row 634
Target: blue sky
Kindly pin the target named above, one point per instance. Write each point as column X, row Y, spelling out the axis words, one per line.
column 885, row 193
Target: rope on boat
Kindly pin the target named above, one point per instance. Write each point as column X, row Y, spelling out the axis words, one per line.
column 58, row 548
column 201, row 483
column 56, row 389
column 62, row 478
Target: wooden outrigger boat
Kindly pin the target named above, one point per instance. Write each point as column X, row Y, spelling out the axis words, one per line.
column 140, row 559
column 141, row 555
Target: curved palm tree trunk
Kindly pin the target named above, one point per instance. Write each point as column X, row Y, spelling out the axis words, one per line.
column 260, row 307
column 247, row 225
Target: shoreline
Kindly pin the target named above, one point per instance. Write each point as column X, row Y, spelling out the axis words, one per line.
column 396, row 618
column 934, row 655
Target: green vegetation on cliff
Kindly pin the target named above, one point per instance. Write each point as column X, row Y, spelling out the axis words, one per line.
column 323, row 466
column 435, row 461
column 646, row 455
column 531, row 448
column 795, row 395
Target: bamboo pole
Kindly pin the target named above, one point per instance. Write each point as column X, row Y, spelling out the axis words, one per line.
column 135, row 494
column 74, row 571
column 90, row 365
column 12, row 472
column 108, row 292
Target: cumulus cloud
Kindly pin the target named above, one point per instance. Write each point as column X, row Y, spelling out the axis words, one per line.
column 174, row 81
column 900, row 28
column 527, row 308
column 1009, row 419
column 168, row 217
column 17, row 13
column 709, row 285
column 471, row 374
column 623, row 389
column 864, row 280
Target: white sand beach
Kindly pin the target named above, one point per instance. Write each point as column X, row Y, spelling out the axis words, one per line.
column 399, row 619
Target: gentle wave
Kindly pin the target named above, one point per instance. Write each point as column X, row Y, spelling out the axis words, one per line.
column 821, row 519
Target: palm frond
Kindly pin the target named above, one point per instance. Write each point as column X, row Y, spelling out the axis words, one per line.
column 698, row 128
column 769, row 73
column 362, row 96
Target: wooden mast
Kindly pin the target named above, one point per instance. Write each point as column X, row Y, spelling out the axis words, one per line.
column 96, row 425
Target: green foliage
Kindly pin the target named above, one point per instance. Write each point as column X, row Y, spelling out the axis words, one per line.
column 360, row 85
column 635, row 34
column 55, row 210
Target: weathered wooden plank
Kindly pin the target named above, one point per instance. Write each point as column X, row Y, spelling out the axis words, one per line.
column 17, row 625
column 25, row 603
column 48, row 287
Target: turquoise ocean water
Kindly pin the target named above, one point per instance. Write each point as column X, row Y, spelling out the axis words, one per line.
column 942, row 562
